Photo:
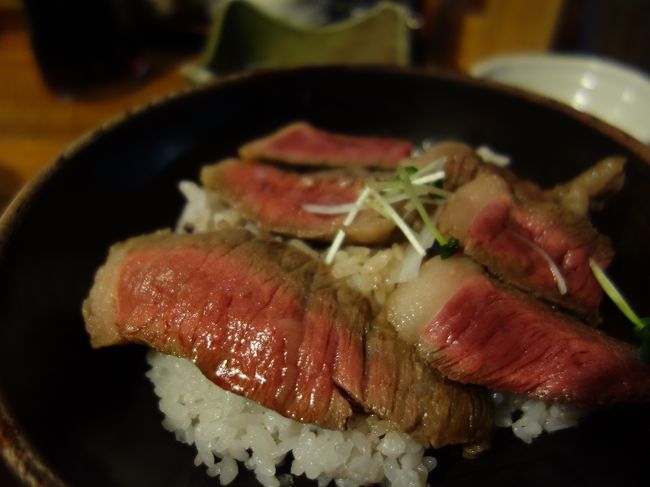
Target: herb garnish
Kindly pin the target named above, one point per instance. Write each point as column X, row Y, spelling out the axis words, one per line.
column 419, row 186
column 450, row 248
column 416, row 187
column 641, row 325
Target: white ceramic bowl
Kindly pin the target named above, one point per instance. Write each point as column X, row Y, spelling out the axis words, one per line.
column 610, row 91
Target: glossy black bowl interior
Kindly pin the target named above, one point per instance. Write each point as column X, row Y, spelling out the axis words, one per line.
column 91, row 416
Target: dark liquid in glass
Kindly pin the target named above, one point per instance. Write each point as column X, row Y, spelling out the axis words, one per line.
column 78, row 43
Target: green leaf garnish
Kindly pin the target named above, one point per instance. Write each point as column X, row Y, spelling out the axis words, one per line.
column 416, row 187
column 615, row 295
column 410, row 192
column 408, row 170
column 381, row 206
column 450, row 248
column 641, row 325
column 644, row 335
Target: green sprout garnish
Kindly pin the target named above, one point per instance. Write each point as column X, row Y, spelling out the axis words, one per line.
column 405, row 177
column 450, row 248
column 641, row 325
column 408, row 170
column 416, row 186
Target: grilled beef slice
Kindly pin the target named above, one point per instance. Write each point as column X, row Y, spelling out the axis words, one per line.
column 267, row 321
column 275, row 199
column 476, row 331
column 302, row 144
column 592, row 187
column 516, row 230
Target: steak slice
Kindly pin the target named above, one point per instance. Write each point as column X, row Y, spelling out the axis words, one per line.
column 526, row 238
column 303, row 144
column 591, row 188
column 275, row 199
column 476, row 331
column 266, row 321
column 585, row 192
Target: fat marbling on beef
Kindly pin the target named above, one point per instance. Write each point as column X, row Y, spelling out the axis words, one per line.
column 477, row 331
column 300, row 143
column 275, row 198
column 267, row 321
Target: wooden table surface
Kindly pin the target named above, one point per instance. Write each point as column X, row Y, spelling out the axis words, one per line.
column 36, row 124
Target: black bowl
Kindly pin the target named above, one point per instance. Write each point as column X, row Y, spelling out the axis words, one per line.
column 76, row 416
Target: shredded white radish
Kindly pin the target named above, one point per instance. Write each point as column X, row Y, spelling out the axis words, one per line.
column 340, row 235
column 345, row 208
column 488, row 155
column 410, row 188
column 555, row 270
column 328, row 209
column 433, row 166
column 401, row 224
column 357, row 206
column 412, row 261
column 334, row 248
column 429, row 178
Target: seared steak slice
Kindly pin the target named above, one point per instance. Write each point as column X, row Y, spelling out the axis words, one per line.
column 275, row 199
column 476, row 331
column 522, row 235
column 266, row 321
column 302, row 144
column 588, row 190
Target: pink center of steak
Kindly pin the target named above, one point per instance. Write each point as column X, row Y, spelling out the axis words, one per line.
column 277, row 200
column 475, row 331
column 267, row 321
column 486, row 335
column 278, row 197
column 248, row 332
column 516, row 241
column 301, row 143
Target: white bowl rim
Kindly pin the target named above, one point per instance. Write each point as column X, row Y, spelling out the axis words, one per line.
column 505, row 69
column 482, row 69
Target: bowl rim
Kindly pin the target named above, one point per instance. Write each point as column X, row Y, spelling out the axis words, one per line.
column 590, row 62
column 559, row 76
column 20, row 456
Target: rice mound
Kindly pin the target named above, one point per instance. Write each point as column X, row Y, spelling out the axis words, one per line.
column 226, row 428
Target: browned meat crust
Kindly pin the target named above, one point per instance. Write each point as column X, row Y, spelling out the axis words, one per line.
column 275, row 199
column 302, row 144
column 477, row 331
column 267, row 321
column 516, row 229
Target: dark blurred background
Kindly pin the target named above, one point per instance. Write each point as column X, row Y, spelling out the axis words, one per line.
column 458, row 33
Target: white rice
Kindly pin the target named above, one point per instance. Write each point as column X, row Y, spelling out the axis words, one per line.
column 528, row 417
column 226, row 429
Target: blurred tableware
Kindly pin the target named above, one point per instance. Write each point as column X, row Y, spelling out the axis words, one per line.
column 246, row 36
column 613, row 92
